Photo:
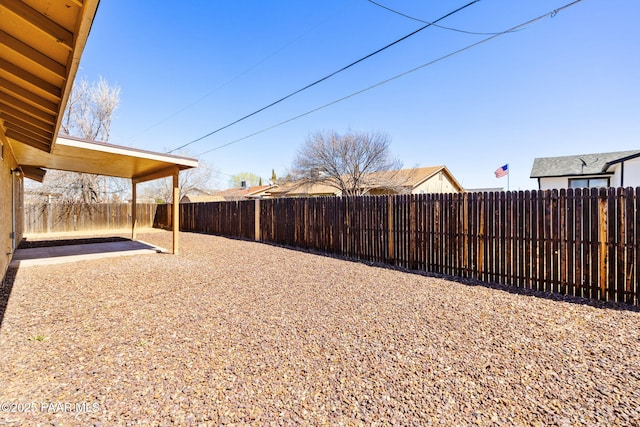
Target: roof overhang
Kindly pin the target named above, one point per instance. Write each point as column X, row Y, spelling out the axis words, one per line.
column 77, row 155
column 572, row 175
column 41, row 43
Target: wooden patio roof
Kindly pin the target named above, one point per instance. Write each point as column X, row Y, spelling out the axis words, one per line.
column 41, row 43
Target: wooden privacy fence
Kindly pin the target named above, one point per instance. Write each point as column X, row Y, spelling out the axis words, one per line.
column 573, row 242
column 62, row 217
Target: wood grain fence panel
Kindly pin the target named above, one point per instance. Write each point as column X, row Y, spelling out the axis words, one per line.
column 492, row 217
column 482, row 237
column 595, row 252
column 562, row 244
column 501, row 237
column 535, row 246
column 60, row 217
column 635, row 299
column 569, row 254
column 630, row 246
column 577, row 242
column 578, row 268
column 611, row 244
column 617, row 287
column 554, row 242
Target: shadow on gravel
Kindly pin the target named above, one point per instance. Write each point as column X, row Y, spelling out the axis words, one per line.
column 609, row 305
column 30, row 244
column 5, row 290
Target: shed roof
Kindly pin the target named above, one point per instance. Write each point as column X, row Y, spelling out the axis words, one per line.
column 581, row 164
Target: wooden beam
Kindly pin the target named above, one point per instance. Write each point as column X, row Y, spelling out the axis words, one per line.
column 134, row 210
column 256, row 220
column 77, row 2
column 40, row 22
column 27, row 108
column 10, row 133
column 25, row 126
column 31, row 79
column 162, row 173
column 176, row 211
column 32, row 54
column 33, row 172
column 11, row 88
column 8, row 110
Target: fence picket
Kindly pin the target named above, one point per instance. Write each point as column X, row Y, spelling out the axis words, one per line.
column 580, row 242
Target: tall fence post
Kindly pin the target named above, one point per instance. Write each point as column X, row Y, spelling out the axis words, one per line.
column 602, row 240
column 583, row 242
column 390, row 219
column 49, row 216
column 257, row 220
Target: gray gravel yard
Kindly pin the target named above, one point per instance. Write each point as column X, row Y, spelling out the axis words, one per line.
column 235, row 332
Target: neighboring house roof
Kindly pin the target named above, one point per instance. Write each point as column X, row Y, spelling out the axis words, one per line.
column 241, row 193
column 399, row 180
column 299, row 189
column 201, row 198
column 483, row 189
column 582, row 164
column 412, row 178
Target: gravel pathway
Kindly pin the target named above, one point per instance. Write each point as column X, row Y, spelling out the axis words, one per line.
column 234, row 332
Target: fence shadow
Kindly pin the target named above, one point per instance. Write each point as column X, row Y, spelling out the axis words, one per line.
column 5, row 290
column 30, row 244
column 517, row 290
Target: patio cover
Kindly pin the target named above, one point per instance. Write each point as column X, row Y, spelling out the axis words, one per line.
column 77, row 155
column 41, row 43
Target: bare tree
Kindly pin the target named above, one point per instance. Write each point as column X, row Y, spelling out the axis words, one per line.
column 87, row 115
column 90, row 109
column 197, row 180
column 354, row 163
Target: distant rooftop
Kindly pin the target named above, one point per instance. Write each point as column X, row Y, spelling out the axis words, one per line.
column 581, row 164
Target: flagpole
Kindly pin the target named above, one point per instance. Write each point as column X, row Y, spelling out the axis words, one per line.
column 508, row 173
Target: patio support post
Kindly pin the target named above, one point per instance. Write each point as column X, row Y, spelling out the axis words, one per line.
column 176, row 211
column 134, row 210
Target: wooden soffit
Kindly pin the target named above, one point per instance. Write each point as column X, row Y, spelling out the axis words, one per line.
column 41, row 42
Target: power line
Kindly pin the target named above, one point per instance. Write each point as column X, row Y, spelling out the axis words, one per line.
column 430, row 23
column 243, row 73
column 397, row 76
column 324, row 78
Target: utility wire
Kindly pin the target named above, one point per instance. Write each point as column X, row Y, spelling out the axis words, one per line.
column 323, row 78
column 243, row 73
column 397, row 76
column 430, row 23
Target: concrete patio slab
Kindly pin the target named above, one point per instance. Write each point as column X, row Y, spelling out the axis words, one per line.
column 72, row 253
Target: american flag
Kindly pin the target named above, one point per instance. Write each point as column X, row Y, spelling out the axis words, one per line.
column 502, row 171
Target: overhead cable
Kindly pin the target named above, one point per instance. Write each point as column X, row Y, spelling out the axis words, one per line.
column 397, row 76
column 236, row 77
column 323, row 78
column 430, row 23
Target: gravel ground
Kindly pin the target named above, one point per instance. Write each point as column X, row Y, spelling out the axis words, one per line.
column 235, row 332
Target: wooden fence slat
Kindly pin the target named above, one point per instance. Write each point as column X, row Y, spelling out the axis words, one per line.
column 580, row 242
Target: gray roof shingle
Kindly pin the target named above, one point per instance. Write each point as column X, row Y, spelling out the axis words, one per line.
column 581, row 164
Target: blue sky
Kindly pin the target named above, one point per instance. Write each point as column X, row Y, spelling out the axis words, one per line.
column 567, row 84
